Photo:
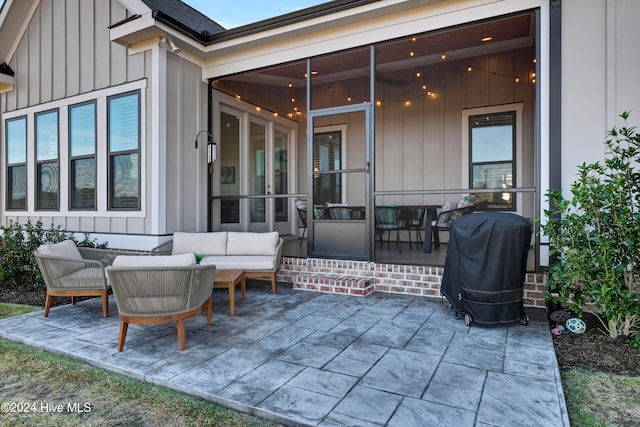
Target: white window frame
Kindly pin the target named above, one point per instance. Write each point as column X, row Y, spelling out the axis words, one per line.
column 101, row 97
column 517, row 158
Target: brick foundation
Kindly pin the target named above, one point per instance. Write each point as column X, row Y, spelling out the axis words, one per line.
column 361, row 278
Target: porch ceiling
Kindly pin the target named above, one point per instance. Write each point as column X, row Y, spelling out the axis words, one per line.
column 456, row 43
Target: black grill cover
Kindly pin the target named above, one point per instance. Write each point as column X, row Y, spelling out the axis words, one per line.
column 485, row 267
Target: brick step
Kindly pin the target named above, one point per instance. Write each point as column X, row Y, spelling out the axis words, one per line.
column 334, row 283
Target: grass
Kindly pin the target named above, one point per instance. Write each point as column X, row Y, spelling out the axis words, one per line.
column 597, row 399
column 32, row 376
column 8, row 310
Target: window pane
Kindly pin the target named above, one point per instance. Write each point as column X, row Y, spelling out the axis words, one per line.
column 17, row 184
column 280, row 167
column 492, row 138
column 17, row 141
column 83, row 194
column 82, row 129
column 123, row 123
column 257, row 138
column 493, row 175
column 229, row 167
column 48, row 186
column 125, row 181
column 47, row 136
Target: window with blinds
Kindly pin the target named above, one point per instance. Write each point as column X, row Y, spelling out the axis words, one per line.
column 16, row 149
column 492, row 149
column 124, row 151
column 82, row 156
column 47, row 162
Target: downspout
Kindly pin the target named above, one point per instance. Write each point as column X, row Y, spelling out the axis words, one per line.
column 555, row 100
column 555, row 90
column 210, row 130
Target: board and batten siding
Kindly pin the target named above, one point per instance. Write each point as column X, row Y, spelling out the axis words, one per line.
column 420, row 146
column 65, row 56
column 185, row 168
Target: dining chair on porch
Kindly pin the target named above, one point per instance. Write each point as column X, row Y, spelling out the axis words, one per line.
column 411, row 218
column 444, row 219
column 301, row 207
column 387, row 220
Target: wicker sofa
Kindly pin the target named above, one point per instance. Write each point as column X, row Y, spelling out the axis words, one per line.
column 258, row 254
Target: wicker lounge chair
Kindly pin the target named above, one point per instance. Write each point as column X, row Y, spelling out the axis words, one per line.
column 160, row 289
column 70, row 271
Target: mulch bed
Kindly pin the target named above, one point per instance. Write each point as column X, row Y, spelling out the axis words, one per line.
column 594, row 350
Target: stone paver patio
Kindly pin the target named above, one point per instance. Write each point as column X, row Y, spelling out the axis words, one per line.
column 305, row 358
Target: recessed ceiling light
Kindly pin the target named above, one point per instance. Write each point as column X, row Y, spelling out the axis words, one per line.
column 486, row 39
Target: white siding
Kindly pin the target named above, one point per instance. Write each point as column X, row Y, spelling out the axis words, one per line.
column 64, row 56
column 599, row 76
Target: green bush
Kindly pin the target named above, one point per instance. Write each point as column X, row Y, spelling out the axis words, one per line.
column 595, row 238
column 17, row 243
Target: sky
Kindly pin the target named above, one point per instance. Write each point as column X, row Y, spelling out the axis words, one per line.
column 245, row 11
column 236, row 13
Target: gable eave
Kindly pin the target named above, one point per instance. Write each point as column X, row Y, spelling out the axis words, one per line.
column 15, row 16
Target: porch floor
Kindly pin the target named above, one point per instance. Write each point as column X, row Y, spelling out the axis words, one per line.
column 306, row 358
column 403, row 254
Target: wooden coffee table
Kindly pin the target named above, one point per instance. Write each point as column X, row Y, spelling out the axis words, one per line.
column 229, row 279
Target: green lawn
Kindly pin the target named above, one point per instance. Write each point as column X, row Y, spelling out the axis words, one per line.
column 58, row 390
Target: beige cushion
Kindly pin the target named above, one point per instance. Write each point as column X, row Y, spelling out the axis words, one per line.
column 247, row 263
column 252, row 243
column 182, row 260
column 65, row 249
column 202, row 243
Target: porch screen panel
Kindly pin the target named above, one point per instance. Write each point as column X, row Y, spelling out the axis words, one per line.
column 281, row 171
column 340, row 79
column 82, row 141
column 257, row 140
column 124, row 151
column 229, row 157
column 492, row 148
column 47, row 166
column 16, row 137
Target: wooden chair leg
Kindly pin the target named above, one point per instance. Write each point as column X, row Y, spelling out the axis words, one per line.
column 123, row 334
column 74, row 300
column 105, row 304
column 273, row 283
column 182, row 335
column 47, row 305
column 209, row 309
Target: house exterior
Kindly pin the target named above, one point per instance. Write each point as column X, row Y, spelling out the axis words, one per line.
column 133, row 119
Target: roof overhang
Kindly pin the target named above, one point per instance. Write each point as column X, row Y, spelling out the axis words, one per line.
column 6, row 83
column 331, row 27
column 326, row 21
column 14, row 18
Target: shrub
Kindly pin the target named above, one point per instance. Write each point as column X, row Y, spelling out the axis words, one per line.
column 595, row 238
column 17, row 243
